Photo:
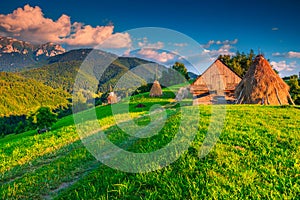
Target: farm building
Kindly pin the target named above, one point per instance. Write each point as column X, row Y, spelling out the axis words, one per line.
column 261, row 85
column 216, row 84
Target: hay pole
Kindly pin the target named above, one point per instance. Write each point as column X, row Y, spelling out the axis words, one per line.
column 277, row 96
column 290, row 98
column 242, row 100
column 267, row 98
column 237, row 101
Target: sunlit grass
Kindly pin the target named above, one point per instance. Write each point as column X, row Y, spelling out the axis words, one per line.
column 256, row 156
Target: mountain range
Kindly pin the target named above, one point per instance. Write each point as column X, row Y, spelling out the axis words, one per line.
column 15, row 55
column 61, row 70
column 34, row 75
column 49, row 68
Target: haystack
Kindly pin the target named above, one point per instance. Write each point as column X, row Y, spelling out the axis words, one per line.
column 112, row 98
column 182, row 93
column 261, row 85
column 155, row 90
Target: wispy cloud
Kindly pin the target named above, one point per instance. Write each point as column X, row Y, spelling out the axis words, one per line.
column 284, row 66
column 29, row 24
column 275, row 29
column 223, row 50
column 180, row 44
column 290, row 54
column 219, row 42
column 117, row 40
column 146, row 44
column 162, row 57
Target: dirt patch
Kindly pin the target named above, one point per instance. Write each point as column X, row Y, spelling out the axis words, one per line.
column 140, row 105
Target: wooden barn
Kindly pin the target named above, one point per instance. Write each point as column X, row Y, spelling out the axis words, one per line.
column 216, row 85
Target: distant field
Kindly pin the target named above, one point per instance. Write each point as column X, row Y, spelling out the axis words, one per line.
column 257, row 156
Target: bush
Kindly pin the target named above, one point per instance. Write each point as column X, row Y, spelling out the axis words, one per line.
column 42, row 118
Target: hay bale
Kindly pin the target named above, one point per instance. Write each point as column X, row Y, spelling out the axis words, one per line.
column 112, row 98
column 155, row 90
column 261, row 85
column 182, row 93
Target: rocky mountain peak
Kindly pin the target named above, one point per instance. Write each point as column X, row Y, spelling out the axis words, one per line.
column 12, row 45
column 49, row 49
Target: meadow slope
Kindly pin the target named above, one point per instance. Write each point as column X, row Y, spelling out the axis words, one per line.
column 256, row 156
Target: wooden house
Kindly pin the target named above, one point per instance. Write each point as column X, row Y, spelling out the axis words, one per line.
column 216, row 85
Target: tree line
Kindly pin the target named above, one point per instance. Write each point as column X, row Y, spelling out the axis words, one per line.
column 41, row 119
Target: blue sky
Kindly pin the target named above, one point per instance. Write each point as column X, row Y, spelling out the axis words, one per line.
column 219, row 26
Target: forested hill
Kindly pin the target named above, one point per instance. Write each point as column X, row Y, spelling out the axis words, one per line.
column 72, row 55
column 63, row 69
column 56, row 75
column 20, row 95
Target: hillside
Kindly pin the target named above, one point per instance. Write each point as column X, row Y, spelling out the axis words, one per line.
column 63, row 69
column 20, row 95
column 192, row 75
column 56, row 75
column 72, row 55
column 256, row 156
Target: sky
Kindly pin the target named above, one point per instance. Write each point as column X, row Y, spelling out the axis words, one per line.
column 189, row 30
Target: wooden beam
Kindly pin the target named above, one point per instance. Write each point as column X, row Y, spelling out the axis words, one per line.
column 238, row 99
column 290, row 98
column 277, row 96
column 267, row 98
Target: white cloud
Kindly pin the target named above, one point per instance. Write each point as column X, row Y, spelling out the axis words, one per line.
column 277, row 54
column 88, row 35
column 227, row 42
column 117, row 40
column 218, row 42
column 162, row 57
column 146, row 44
column 223, row 50
column 275, row 29
column 29, row 24
column 290, row 54
column 209, row 43
column 283, row 65
column 235, row 41
column 180, row 44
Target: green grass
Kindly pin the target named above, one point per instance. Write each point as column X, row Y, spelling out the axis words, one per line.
column 256, row 156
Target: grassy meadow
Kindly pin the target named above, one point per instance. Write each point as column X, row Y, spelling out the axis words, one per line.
column 256, row 156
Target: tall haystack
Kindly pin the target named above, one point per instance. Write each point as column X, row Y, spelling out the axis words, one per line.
column 155, row 90
column 261, row 85
column 112, row 98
